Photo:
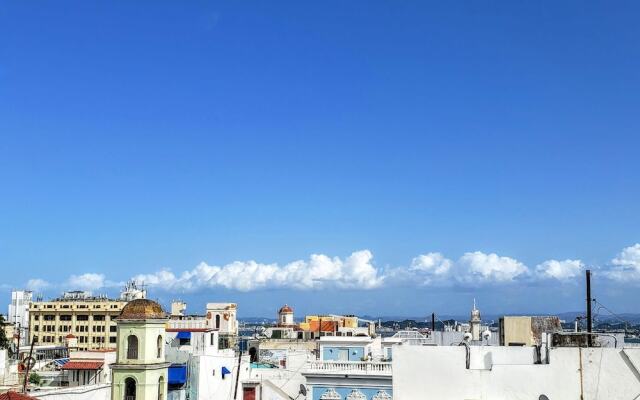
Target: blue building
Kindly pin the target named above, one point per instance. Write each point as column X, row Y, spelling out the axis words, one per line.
column 348, row 369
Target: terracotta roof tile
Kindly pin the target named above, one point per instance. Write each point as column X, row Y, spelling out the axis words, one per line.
column 83, row 364
column 15, row 396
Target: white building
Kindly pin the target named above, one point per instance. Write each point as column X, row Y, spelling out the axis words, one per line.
column 348, row 368
column 285, row 316
column 514, row 373
column 19, row 313
column 199, row 368
column 222, row 317
column 133, row 291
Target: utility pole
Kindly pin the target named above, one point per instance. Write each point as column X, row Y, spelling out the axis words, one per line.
column 30, row 363
column 589, row 318
column 18, row 344
column 433, row 322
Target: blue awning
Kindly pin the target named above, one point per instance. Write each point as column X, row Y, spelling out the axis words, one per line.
column 184, row 335
column 61, row 361
column 177, row 375
column 225, row 371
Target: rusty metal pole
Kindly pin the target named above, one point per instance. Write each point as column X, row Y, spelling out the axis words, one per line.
column 28, row 367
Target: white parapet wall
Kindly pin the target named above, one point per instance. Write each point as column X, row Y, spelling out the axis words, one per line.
column 510, row 373
column 90, row 392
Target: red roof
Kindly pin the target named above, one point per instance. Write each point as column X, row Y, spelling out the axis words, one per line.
column 83, row 364
column 15, row 396
column 70, row 336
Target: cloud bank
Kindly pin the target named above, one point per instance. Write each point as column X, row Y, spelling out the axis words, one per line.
column 359, row 272
column 320, row 271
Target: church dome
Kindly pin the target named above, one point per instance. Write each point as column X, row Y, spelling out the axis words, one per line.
column 142, row 309
column 286, row 309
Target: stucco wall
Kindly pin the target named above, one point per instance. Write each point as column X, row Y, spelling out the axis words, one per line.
column 147, row 334
column 93, row 392
column 332, row 353
column 505, row 373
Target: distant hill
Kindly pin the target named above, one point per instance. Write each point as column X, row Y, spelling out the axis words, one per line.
column 568, row 317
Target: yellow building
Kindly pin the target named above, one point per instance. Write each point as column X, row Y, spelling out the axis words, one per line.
column 345, row 321
column 89, row 318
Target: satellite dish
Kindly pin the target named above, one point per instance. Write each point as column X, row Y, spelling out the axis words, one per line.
column 543, row 397
column 303, row 390
column 467, row 337
column 486, row 335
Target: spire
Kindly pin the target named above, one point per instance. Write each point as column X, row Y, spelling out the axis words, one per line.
column 474, row 304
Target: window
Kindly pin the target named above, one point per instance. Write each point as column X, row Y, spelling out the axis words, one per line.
column 112, row 339
column 82, row 318
column 159, row 346
column 49, row 317
column 161, row 388
column 113, row 328
column 130, row 388
column 132, row 347
column 223, row 343
column 217, row 321
column 98, row 317
column 65, row 317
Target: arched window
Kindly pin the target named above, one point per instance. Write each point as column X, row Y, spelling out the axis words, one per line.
column 217, row 321
column 129, row 389
column 161, row 388
column 132, row 347
column 159, row 346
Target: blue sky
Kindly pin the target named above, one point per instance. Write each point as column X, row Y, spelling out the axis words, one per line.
column 142, row 137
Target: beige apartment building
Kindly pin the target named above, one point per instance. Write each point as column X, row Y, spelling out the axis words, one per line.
column 89, row 319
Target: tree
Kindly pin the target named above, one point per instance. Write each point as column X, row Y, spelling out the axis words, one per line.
column 34, row 378
column 4, row 342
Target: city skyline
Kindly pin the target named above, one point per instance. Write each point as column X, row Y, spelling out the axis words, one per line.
column 473, row 274
column 361, row 157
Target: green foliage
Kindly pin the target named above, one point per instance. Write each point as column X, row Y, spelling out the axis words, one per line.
column 4, row 342
column 34, row 378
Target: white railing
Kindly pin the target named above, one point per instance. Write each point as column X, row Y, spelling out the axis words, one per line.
column 349, row 367
column 187, row 324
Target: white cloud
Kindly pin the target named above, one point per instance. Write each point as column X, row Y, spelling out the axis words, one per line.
column 37, row 284
column 430, row 267
column 626, row 266
column 355, row 271
column 358, row 271
column 490, row 267
column 561, row 270
column 88, row 281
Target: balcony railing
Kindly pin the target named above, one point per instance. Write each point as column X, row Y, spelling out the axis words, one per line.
column 349, row 367
column 187, row 324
